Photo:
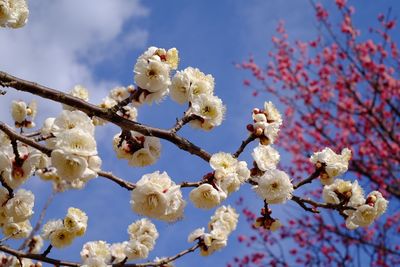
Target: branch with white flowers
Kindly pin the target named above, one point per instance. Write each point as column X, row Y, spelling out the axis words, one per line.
column 43, row 258
column 303, row 201
column 106, row 114
column 108, row 175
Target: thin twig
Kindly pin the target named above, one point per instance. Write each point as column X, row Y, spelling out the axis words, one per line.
column 184, row 120
column 47, row 251
column 303, row 201
column 116, row 179
column 248, row 140
column 309, row 180
column 6, row 186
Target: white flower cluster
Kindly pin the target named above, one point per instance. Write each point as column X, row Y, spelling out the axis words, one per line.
column 62, row 233
column 229, row 174
column 273, row 185
column 138, row 149
column 351, row 194
column 15, row 171
column 74, row 159
column 152, row 73
column 23, row 114
column 193, row 86
column 222, row 223
column 142, row 238
column 266, row 157
column 12, row 261
column 266, row 123
column 157, row 196
column 333, row 164
column 13, row 13
column 15, row 213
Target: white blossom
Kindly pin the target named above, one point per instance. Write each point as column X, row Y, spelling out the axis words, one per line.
column 20, row 207
column 69, row 166
column 223, row 164
column 142, row 227
column 378, row 201
column 335, row 165
column 190, row 83
column 136, row 250
column 210, row 109
column 117, row 251
column 205, row 196
column 69, row 120
column 119, row 93
column 274, row 186
column 17, row 230
column 364, row 215
column 96, row 252
column 272, row 113
column 152, row 75
column 76, row 221
column 18, row 111
column 61, row 237
column 266, row 157
column 35, row 244
column 225, row 217
column 13, row 13
column 346, row 191
column 50, row 227
column 196, row 234
column 78, row 142
column 157, row 196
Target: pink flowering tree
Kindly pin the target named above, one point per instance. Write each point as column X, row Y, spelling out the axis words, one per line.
column 340, row 89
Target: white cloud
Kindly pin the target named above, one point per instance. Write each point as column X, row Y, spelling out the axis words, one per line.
column 64, row 40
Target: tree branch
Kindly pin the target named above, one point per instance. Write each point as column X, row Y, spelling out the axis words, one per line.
column 108, row 115
column 249, row 139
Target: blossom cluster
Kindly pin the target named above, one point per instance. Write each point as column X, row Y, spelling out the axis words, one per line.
column 152, row 75
column 15, row 213
column 193, row 86
column 23, row 114
column 74, row 159
column 62, row 232
column 222, row 223
column 16, row 169
column 157, row 196
column 11, row 261
column 228, row 175
column 142, row 237
column 266, row 124
column 272, row 185
column 363, row 210
column 331, row 164
column 13, row 13
column 138, row 149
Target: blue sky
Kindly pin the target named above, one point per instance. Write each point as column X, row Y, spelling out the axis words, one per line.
column 95, row 43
